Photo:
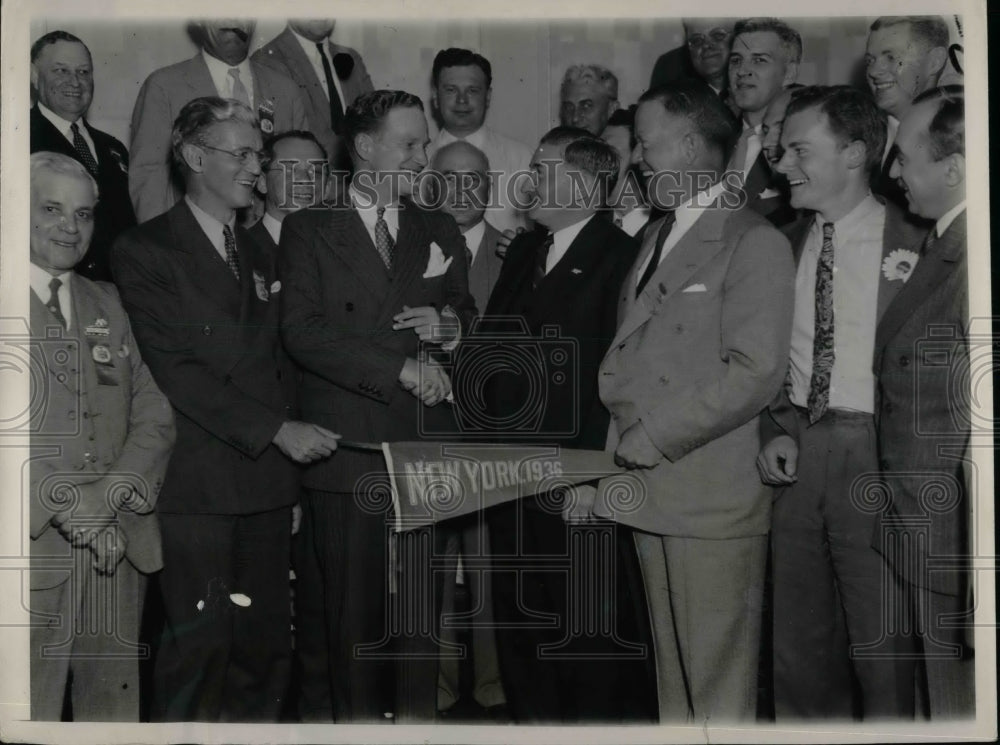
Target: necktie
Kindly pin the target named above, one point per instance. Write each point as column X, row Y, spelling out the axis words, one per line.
column 654, row 260
column 53, row 305
column 232, row 257
column 239, row 90
column 747, row 149
column 823, row 353
column 617, row 219
column 336, row 108
column 469, row 258
column 383, row 241
column 540, row 260
column 929, row 241
column 80, row 145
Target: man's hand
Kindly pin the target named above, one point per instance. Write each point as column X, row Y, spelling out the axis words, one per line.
column 503, row 242
column 427, row 323
column 778, row 461
column 579, row 504
column 108, row 548
column 636, row 450
column 90, row 511
column 425, row 380
column 304, row 442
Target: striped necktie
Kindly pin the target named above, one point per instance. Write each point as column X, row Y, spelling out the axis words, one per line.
column 232, row 257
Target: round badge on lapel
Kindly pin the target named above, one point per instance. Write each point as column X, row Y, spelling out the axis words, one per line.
column 101, row 354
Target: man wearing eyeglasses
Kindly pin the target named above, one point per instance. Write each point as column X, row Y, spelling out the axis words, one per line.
column 203, row 299
column 704, row 55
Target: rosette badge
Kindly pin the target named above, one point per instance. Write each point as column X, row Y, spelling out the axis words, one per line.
column 899, row 265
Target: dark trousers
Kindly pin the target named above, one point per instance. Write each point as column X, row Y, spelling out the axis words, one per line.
column 831, row 588
column 558, row 602
column 382, row 636
column 225, row 654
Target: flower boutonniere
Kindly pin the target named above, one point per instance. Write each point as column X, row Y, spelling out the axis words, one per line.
column 899, row 265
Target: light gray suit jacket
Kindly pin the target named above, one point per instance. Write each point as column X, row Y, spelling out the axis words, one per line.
column 697, row 356
column 485, row 269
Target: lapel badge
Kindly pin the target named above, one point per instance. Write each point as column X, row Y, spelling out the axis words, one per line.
column 124, row 351
column 265, row 114
column 260, row 285
column 574, row 270
column 98, row 328
column 101, row 354
column 899, row 265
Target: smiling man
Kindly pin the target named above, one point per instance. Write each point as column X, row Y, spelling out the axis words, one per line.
column 764, row 61
column 588, row 97
column 905, row 56
column 819, row 434
column 62, row 74
column 220, row 68
column 294, row 177
column 461, row 91
column 204, row 299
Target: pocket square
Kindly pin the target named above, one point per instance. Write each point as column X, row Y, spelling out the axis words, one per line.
column 695, row 288
column 437, row 264
column 574, row 270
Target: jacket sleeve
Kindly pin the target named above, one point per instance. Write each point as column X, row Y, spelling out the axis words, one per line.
column 153, row 302
column 757, row 297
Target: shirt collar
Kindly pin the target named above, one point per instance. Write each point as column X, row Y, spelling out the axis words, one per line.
column 210, row 225
column 689, row 211
column 369, row 212
column 219, row 71
column 38, row 280
column 57, row 121
column 562, row 238
column 308, row 45
column 846, row 225
column 477, row 138
column 474, row 236
column 272, row 226
column 949, row 217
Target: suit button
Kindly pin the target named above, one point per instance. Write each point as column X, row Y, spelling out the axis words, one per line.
column 86, row 415
column 887, row 408
column 904, row 361
column 71, row 415
column 61, row 377
column 349, row 307
column 663, row 379
column 278, row 373
column 680, row 328
column 207, row 331
column 884, row 464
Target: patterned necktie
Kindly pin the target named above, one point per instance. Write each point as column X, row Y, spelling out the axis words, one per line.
column 823, row 353
column 239, row 90
column 53, row 305
column 232, row 257
column 617, row 219
column 383, row 240
column 80, row 145
column 336, row 108
column 929, row 241
column 654, row 261
column 540, row 260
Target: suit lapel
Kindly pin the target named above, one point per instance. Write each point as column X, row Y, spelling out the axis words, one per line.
column 932, row 269
column 86, row 309
column 42, row 320
column 349, row 239
column 205, row 268
column 409, row 257
column 696, row 248
column 897, row 234
column 198, row 78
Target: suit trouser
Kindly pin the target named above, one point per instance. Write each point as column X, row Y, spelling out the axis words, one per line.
column 469, row 539
column 222, row 658
column 827, row 577
column 704, row 601
column 383, row 641
column 88, row 626
column 556, row 602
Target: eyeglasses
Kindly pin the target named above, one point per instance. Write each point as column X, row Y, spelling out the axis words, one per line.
column 716, row 35
column 244, row 154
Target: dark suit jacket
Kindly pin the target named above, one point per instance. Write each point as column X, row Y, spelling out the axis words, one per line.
column 102, row 422
column 259, row 233
column 338, row 301
column 672, row 66
column 922, row 407
column 161, row 99
column 284, row 54
column 212, row 345
column 485, row 269
column 579, row 297
column 899, row 232
column 114, row 210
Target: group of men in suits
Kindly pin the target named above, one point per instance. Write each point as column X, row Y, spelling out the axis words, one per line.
column 715, row 355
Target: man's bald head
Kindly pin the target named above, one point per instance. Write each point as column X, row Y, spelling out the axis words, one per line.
column 466, row 182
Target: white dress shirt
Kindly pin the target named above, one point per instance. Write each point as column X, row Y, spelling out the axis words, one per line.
column 223, row 81
column 561, row 240
column 369, row 214
column 312, row 54
column 857, row 264
column 506, row 157
column 634, row 219
column 474, row 237
column 685, row 216
column 64, row 126
column 949, row 217
column 273, row 227
column 39, row 280
column 212, row 227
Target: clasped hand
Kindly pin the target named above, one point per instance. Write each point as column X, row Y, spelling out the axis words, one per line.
column 426, row 380
column 304, row 442
column 427, row 323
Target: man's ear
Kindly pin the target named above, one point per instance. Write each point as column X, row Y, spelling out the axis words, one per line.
column 193, row 156
column 489, row 97
column 791, row 73
column 934, row 63
column 857, row 154
column 434, row 100
column 691, row 146
column 954, row 172
column 364, row 143
column 34, row 76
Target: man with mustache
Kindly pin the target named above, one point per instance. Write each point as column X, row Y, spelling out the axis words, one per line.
column 905, row 56
column 203, row 298
column 221, row 68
